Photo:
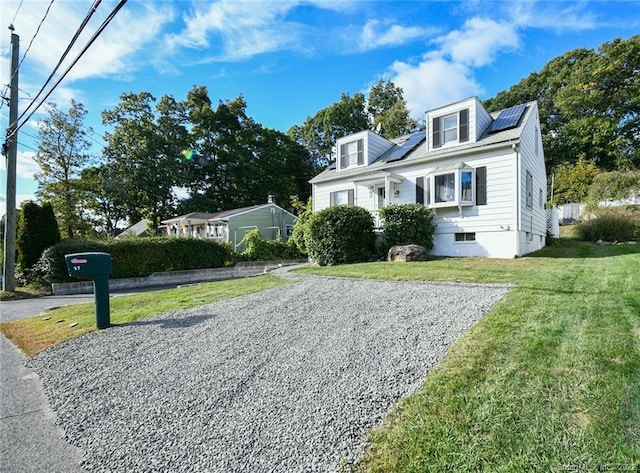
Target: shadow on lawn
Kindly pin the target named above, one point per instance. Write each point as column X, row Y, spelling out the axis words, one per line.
column 569, row 248
column 174, row 322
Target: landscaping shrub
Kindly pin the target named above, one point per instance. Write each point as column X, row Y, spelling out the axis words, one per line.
column 618, row 224
column 300, row 228
column 341, row 234
column 408, row 223
column 52, row 266
column 37, row 231
column 259, row 249
column 137, row 257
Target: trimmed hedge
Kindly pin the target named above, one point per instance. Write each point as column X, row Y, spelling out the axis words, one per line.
column 137, row 257
column 341, row 234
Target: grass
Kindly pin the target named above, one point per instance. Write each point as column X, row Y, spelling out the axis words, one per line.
column 549, row 380
column 23, row 293
column 34, row 334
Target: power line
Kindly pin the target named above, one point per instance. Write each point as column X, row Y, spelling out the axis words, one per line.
column 27, row 146
column 64, row 55
column 24, row 55
column 95, row 36
column 17, row 10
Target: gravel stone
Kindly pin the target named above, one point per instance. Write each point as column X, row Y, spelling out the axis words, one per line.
column 287, row 380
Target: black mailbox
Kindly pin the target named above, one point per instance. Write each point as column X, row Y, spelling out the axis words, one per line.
column 96, row 266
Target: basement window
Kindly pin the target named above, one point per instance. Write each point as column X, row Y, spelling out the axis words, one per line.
column 465, row 237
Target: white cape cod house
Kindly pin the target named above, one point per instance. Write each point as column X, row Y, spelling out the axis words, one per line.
column 482, row 174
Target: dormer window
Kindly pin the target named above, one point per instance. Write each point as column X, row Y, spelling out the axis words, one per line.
column 452, row 128
column 352, row 154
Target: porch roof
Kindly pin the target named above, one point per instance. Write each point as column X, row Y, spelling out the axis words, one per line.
column 378, row 177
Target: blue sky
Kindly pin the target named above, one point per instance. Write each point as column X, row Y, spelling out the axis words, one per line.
column 291, row 58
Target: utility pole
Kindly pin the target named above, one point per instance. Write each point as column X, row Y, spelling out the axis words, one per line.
column 8, row 275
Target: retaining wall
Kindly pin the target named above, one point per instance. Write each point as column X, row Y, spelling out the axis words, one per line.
column 240, row 270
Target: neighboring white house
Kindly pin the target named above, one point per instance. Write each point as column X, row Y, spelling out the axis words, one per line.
column 483, row 175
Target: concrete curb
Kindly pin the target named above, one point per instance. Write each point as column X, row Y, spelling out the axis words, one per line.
column 240, row 270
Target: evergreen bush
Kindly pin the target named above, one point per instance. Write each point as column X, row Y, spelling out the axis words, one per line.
column 37, row 231
column 406, row 224
column 341, row 234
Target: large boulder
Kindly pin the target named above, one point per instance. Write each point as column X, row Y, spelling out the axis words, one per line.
column 407, row 253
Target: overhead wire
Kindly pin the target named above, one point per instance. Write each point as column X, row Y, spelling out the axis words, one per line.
column 46, row 13
column 93, row 38
column 86, row 19
column 16, row 14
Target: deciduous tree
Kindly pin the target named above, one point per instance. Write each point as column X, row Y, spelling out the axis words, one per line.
column 62, row 153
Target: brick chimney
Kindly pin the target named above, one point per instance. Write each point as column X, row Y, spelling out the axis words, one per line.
column 271, row 199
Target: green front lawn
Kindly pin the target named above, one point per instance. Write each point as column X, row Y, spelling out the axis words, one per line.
column 34, row 334
column 549, row 380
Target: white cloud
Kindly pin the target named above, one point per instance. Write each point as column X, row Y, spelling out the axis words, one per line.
column 114, row 52
column 434, row 81
column 20, row 198
column 244, row 29
column 26, row 167
column 557, row 16
column 377, row 34
column 478, row 42
column 446, row 74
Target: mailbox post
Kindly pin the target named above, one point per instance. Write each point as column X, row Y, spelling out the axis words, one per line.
column 95, row 266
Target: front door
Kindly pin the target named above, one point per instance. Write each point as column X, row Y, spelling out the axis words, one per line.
column 380, row 198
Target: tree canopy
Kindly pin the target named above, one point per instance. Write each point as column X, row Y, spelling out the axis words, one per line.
column 62, row 153
column 589, row 105
column 384, row 111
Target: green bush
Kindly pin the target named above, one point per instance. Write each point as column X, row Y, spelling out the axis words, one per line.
column 406, row 224
column 259, row 249
column 341, row 234
column 52, row 266
column 300, row 228
column 37, row 231
column 610, row 225
column 137, row 257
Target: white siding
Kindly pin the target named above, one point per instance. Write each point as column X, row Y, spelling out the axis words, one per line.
column 533, row 221
column 479, row 120
column 482, row 119
column 375, row 146
column 504, row 227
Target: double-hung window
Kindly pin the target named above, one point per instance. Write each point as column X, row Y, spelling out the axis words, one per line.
column 344, row 197
column 352, row 154
column 529, row 189
column 452, row 128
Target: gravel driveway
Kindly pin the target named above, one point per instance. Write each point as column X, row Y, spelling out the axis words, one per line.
column 289, row 380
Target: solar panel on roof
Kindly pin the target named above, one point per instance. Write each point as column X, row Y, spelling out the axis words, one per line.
column 508, row 118
column 404, row 148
